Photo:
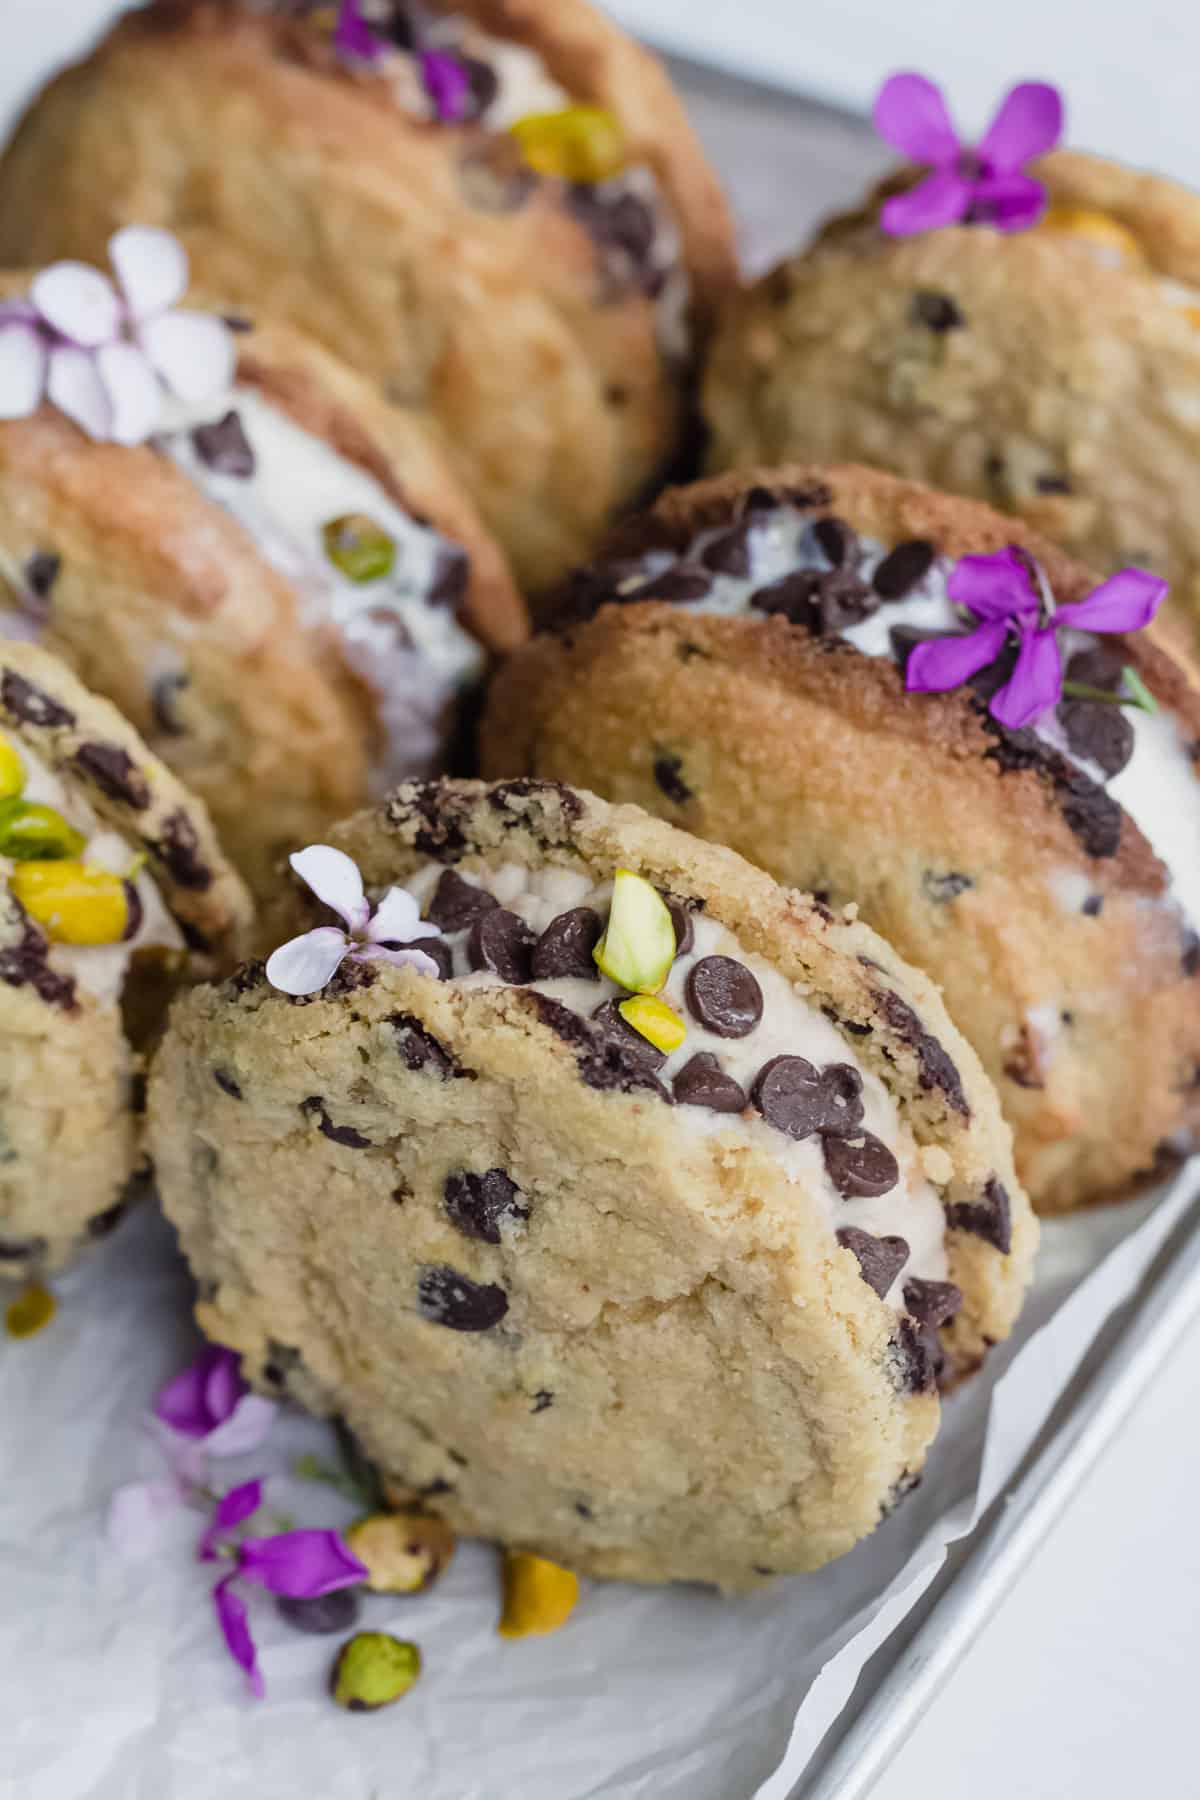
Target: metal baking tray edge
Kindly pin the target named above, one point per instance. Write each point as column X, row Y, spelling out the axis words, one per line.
column 907, row 1672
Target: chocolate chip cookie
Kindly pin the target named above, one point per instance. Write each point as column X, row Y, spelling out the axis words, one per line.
column 736, row 663
column 628, row 1208
column 113, row 891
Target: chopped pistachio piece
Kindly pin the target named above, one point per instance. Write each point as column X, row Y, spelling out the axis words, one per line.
column 12, row 770
column 30, row 1312
column 578, row 143
column 73, row 902
column 638, row 946
column 360, row 548
column 539, row 1596
column 372, row 1670
column 657, row 1022
column 30, row 832
column 403, row 1552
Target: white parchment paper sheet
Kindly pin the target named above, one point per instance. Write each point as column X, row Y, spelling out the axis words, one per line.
column 114, row 1684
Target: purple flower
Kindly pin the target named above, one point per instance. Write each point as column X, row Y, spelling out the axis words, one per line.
column 1000, row 591
column 447, row 84
column 210, row 1403
column 300, row 1564
column 306, row 964
column 986, row 185
column 104, row 354
column 353, row 35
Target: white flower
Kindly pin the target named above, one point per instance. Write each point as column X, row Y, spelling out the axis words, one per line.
column 306, row 964
column 103, row 354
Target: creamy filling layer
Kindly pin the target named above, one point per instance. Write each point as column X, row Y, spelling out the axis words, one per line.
column 788, row 1026
column 1158, row 786
column 99, row 969
column 286, row 487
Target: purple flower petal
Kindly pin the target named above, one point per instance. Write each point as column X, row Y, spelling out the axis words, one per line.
column 1029, row 122
column 231, row 1617
column 238, row 1504
column 78, row 302
column 151, row 268
column 994, row 587
column 397, row 919
column 910, row 114
column 23, row 366
column 302, row 1564
column 194, row 353
column 1009, row 202
column 354, row 37
column 334, row 879
column 223, row 1386
column 245, row 1428
column 941, row 199
column 184, row 1403
column 135, row 397
column 73, row 384
column 1127, row 601
column 306, row 964
column 447, row 84
column 948, row 662
column 1036, row 683
column 138, row 1515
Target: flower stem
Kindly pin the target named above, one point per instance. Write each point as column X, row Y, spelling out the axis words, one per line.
column 1139, row 695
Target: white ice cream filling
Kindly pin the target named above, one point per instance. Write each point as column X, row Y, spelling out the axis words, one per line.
column 1158, row 787
column 790, row 1026
column 412, row 654
column 99, row 969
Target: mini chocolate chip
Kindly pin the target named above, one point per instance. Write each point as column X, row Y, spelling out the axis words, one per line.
column 703, row 1082
column 1190, row 957
column 824, row 601
column 282, row 1360
column 228, row 1084
column 164, row 703
column 224, row 447
column 667, row 767
column 23, row 1249
column 314, row 1106
column 918, row 1358
column 1090, row 813
column 681, row 919
column 438, row 950
column 1098, row 733
column 584, row 1510
column 478, row 1205
column 421, row 1050
column 178, row 847
column 27, row 702
column 137, row 1094
column 41, row 572
column 457, row 903
column 729, row 552
column 941, row 889
column 605, row 1060
column 238, row 322
column 323, row 1614
column 932, row 1303
column 608, row 1017
column 483, row 84
column 1053, row 484
column 935, row 1068
column 451, row 576
column 541, row 1400
column 902, row 569
column 564, row 950
column 799, row 1099
column 622, row 227
column 445, row 1297
column 989, row 1217
column 836, row 540
column 937, row 312
column 1098, row 668
column 860, row 1167
column 115, row 773
column 678, row 584
column 880, row 1259
column 1093, row 906
column 503, row 943
column 102, row 1224
column 724, row 996
column 25, row 964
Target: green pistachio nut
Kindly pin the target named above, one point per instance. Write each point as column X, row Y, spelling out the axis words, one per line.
column 30, row 832
column 373, row 1669
column 638, row 946
column 360, row 548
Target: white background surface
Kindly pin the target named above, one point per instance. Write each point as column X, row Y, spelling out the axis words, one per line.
column 1084, row 1684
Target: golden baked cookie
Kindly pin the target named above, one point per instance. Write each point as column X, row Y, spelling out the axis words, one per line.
column 736, row 664
column 113, row 891
column 283, row 588
column 631, row 1231
column 1053, row 372
column 540, row 293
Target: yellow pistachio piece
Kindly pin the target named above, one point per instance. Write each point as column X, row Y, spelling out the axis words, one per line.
column 73, row 902
column 359, row 547
column 373, row 1669
column 30, row 1312
column 657, row 1022
column 580, row 143
column 539, row 1596
column 1098, row 228
column 1192, row 314
column 638, row 946
column 403, row 1552
column 12, row 770
column 30, row 832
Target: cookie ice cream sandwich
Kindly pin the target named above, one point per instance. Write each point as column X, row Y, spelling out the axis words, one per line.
column 907, row 703
column 628, row 1208
column 113, row 892
column 496, row 210
column 224, row 530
